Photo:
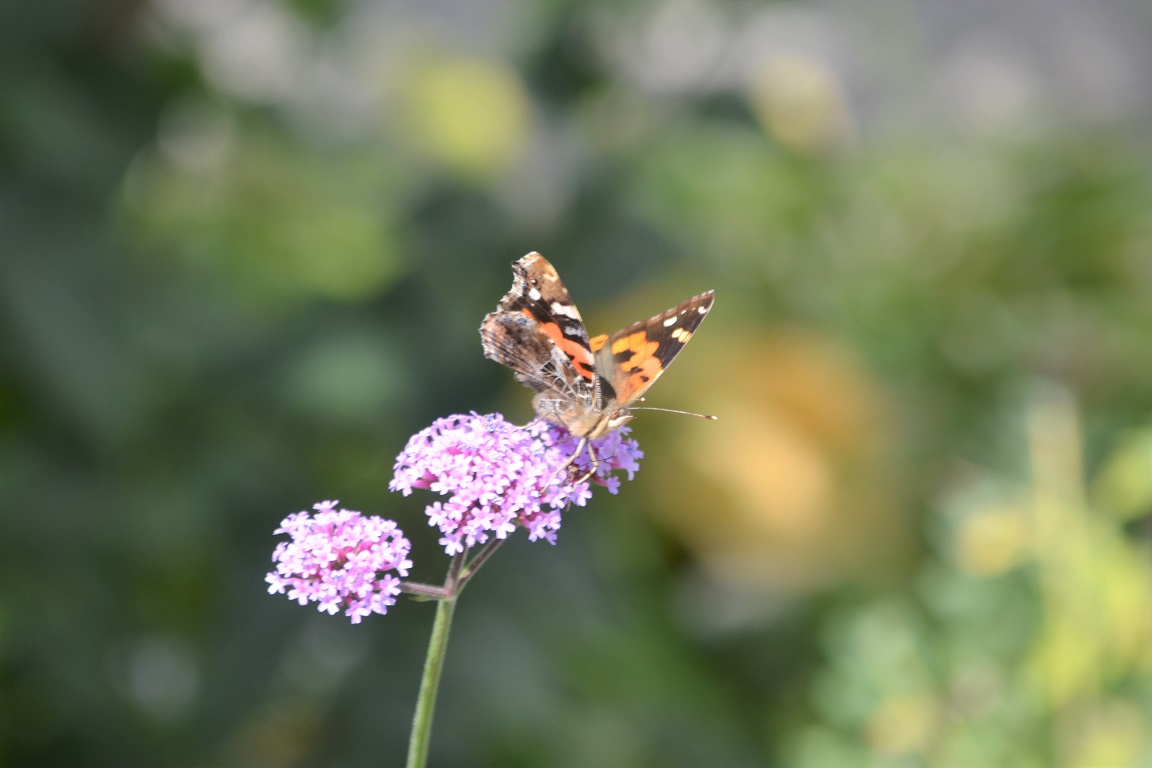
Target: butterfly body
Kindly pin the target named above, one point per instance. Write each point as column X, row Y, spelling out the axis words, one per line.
column 585, row 385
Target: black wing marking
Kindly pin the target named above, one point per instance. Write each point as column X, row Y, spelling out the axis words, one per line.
column 634, row 357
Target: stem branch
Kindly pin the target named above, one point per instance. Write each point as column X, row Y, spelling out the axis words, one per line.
column 481, row 558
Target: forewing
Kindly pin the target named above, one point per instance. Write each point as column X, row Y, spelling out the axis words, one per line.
column 633, row 358
column 538, row 294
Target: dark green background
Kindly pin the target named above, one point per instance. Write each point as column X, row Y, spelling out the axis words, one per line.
column 246, row 247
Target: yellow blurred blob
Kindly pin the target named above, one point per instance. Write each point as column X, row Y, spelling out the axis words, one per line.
column 1125, row 482
column 1096, row 588
column 471, row 114
column 1112, row 734
column 791, row 488
column 993, row 541
column 902, row 725
column 799, row 102
column 1064, row 664
column 1125, row 585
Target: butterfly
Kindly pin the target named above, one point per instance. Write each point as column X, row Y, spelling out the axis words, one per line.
column 585, row 385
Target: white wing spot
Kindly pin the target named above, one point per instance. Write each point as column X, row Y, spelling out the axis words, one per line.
column 567, row 310
column 534, row 294
column 703, row 310
column 681, row 335
column 671, row 321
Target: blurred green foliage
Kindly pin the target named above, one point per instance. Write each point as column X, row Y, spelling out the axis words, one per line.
column 246, row 247
column 1025, row 641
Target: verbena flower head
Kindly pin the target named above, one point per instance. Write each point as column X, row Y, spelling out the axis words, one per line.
column 498, row 476
column 340, row 559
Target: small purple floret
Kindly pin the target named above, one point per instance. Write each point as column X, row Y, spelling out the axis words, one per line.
column 340, row 559
column 498, row 476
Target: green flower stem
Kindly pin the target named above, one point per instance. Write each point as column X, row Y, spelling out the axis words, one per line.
column 433, row 666
column 445, row 597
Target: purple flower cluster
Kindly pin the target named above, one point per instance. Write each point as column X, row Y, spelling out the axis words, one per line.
column 340, row 559
column 498, row 476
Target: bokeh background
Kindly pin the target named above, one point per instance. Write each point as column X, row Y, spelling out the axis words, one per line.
column 247, row 244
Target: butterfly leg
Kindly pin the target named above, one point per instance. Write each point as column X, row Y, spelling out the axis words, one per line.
column 575, row 455
column 591, row 455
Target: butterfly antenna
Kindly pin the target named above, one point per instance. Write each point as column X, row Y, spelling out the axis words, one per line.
column 672, row 410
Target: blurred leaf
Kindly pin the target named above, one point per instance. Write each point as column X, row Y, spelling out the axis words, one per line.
column 1124, row 484
column 470, row 114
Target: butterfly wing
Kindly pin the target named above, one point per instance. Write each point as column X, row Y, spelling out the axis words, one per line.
column 520, row 343
column 538, row 293
column 631, row 359
column 537, row 331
